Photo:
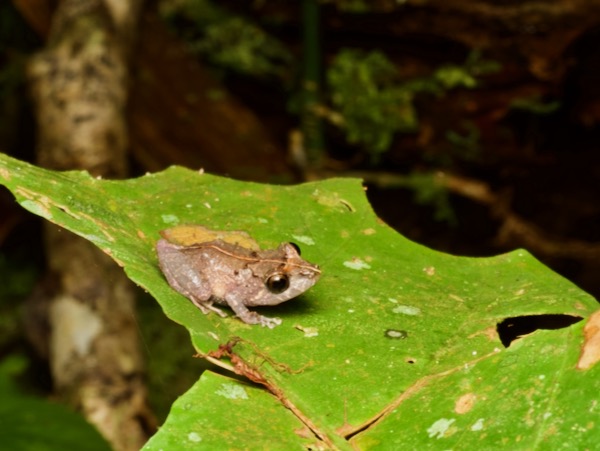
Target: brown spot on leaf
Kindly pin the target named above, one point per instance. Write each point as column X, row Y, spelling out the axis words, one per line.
column 303, row 432
column 489, row 332
column 590, row 352
column 465, row 403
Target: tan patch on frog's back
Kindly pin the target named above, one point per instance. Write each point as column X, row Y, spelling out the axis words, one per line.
column 187, row 235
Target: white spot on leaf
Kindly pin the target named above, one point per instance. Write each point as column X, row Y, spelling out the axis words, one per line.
column 194, row 437
column 170, row 219
column 308, row 331
column 232, row 391
column 396, row 334
column 407, row 310
column 440, row 427
column 94, row 238
column 304, row 239
column 478, row 425
column 357, row 263
column 36, row 208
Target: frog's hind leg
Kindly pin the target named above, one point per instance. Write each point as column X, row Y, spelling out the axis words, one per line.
column 207, row 306
column 248, row 316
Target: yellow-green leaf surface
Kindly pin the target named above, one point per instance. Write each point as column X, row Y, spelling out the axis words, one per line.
column 223, row 413
column 395, row 347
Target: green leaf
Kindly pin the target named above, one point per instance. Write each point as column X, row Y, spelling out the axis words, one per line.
column 527, row 397
column 391, row 327
column 218, row 410
column 29, row 423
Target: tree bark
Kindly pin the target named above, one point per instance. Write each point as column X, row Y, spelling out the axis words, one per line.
column 79, row 88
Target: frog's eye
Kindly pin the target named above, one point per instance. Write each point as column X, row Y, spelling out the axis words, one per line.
column 277, row 283
column 295, row 246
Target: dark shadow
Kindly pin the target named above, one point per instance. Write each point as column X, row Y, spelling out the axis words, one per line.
column 512, row 328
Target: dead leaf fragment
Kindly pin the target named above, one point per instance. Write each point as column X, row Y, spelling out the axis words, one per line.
column 590, row 352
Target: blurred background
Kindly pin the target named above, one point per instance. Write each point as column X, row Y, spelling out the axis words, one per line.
column 475, row 125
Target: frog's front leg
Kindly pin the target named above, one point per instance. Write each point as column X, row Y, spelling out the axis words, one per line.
column 248, row 316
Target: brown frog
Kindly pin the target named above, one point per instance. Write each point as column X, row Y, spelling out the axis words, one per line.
column 229, row 268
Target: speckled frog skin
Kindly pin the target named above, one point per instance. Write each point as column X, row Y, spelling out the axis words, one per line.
column 233, row 272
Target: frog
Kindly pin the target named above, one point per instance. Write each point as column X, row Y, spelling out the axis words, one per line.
column 229, row 268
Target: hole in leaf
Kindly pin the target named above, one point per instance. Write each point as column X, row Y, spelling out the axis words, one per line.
column 512, row 328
